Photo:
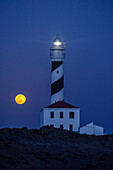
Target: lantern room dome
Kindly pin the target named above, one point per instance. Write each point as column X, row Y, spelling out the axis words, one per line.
column 57, row 44
column 57, row 41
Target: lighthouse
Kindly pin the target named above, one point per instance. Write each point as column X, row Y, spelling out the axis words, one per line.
column 57, row 55
column 59, row 113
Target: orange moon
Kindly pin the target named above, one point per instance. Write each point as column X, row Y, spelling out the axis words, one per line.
column 20, row 99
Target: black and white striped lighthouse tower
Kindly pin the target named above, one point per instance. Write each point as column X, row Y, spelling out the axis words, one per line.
column 57, row 55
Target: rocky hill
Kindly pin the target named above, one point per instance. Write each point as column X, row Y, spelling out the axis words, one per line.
column 54, row 149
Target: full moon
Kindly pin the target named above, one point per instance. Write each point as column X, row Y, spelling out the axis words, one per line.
column 20, row 99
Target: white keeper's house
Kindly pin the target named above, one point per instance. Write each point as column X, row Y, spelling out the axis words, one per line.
column 59, row 113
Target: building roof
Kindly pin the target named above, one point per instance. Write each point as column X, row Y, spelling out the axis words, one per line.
column 61, row 104
column 91, row 124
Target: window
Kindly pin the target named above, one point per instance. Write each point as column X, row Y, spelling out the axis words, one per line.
column 57, row 71
column 71, row 114
column 70, row 127
column 61, row 126
column 61, row 114
column 51, row 114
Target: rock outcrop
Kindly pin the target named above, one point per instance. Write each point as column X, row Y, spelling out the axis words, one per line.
column 54, row 149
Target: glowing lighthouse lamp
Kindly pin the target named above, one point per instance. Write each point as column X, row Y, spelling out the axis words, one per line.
column 57, row 42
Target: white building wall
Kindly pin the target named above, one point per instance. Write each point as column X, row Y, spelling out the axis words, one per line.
column 92, row 129
column 86, row 129
column 65, row 121
column 98, row 130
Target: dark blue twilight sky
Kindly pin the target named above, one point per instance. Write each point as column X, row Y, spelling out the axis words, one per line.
column 26, row 30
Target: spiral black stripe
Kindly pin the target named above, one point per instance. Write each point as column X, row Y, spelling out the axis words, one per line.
column 55, row 65
column 57, row 86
